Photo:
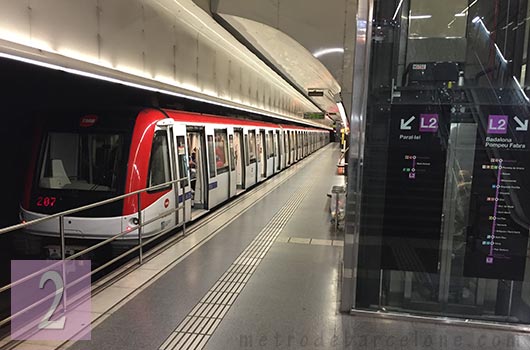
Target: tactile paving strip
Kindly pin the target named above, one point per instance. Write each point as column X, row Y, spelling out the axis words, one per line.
column 198, row 326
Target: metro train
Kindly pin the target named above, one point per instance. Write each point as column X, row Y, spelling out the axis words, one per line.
column 80, row 159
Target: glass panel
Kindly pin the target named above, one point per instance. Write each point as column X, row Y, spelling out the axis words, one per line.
column 159, row 166
column 445, row 213
column 211, row 156
column 247, row 160
column 183, row 159
column 252, row 146
column 434, row 18
column 270, row 149
column 232, row 157
column 221, row 151
column 259, row 147
column 87, row 162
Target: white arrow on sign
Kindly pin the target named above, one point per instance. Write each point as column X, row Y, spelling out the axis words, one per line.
column 405, row 125
column 522, row 126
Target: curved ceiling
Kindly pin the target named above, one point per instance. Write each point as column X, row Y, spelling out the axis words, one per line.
column 294, row 61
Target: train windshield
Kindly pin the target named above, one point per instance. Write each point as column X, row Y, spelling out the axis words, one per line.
column 89, row 162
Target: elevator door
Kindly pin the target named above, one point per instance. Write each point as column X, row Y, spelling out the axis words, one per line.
column 449, row 292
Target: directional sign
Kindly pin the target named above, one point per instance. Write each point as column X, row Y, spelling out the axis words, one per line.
column 499, row 210
column 415, row 173
column 497, row 124
column 522, row 126
column 428, row 122
column 405, row 125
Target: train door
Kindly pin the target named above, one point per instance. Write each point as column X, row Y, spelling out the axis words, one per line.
column 218, row 166
column 183, row 188
column 306, row 143
column 158, row 205
column 280, row 150
column 252, row 160
column 295, row 145
column 300, row 146
column 269, row 155
column 286, row 148
column 275, row 149
column 198, row 169
column 262, row 159
column 233, row 172
column 292, row 144
column 239, row 158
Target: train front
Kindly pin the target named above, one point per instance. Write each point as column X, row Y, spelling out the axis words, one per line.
column 78, row 159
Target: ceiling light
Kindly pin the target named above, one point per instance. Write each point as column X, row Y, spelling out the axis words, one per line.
column 420, row 17
column 397, row 10
column 342, row 112
column 328, row 51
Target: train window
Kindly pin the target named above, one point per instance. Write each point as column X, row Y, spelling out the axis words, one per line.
column 211, row 156
column 183, row 160
column 90, row 162
column 252, row 146
column 159, row 165
column 247, row 162
column 270, row 145
column 232, row 156
column 221, row 151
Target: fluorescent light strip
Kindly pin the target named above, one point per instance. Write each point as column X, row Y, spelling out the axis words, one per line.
column 420, row 17
column 467, row 8
column 145, row 87
column 342, row 112
column 397, row 10
column 328, row 51
column 520, row 88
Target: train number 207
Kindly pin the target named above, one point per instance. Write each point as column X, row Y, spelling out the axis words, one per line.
column 46, row 201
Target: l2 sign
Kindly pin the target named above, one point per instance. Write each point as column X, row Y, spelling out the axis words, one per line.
column 428, row 122
column 497, row 124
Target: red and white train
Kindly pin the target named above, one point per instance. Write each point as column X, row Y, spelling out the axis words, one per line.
column 82, row 159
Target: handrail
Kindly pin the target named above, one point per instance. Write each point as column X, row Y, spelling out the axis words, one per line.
column 138, row 227
column 88, row 206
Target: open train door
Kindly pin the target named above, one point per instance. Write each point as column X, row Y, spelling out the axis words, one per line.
column 262, row 149
column 183, row 173
column 239, row 158
column 196, row 142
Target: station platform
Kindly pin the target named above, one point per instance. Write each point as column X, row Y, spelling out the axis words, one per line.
column 262, row 272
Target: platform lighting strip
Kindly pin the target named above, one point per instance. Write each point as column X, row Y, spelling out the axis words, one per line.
column 146, row 87
column 420, row 16
column 200, row 324
column 343, row 116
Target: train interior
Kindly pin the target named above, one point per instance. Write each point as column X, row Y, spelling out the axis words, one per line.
column 197, row 166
